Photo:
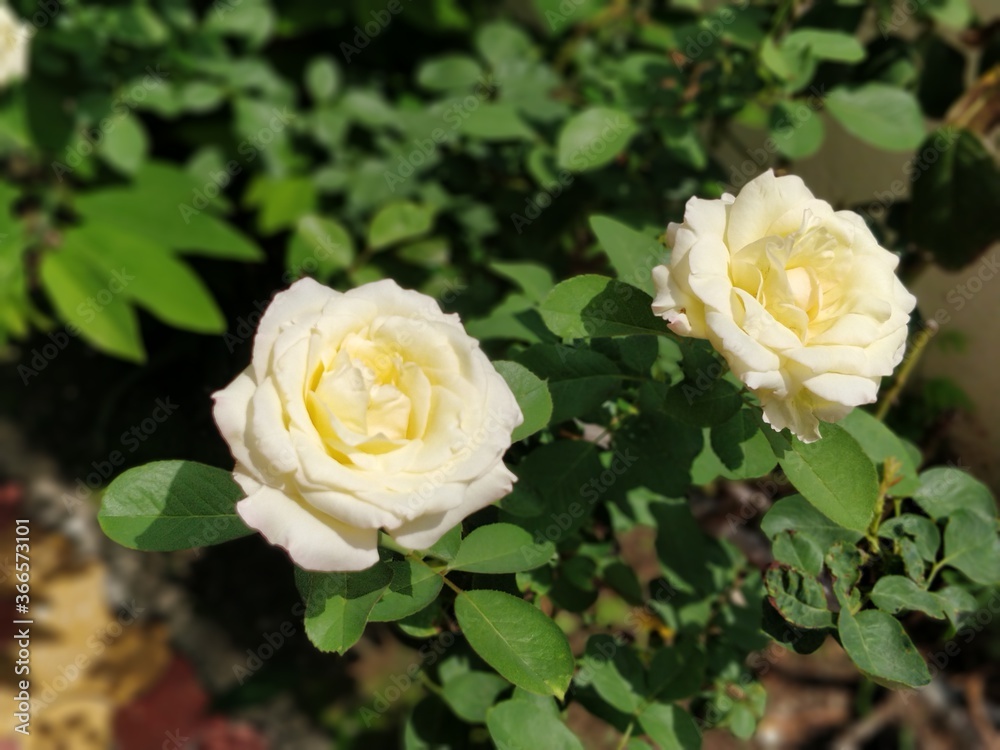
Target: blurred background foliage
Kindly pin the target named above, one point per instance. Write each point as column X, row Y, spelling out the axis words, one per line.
column 432, row 141
column 169, row 164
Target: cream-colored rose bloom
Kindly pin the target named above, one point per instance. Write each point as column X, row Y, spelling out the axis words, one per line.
column 800, row 299
column 361, row 411
column 13, row 47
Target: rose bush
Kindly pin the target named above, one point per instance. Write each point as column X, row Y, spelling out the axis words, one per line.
column 361, row 411
column 800, row 299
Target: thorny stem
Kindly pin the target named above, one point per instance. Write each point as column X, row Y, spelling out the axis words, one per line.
column 920, row 341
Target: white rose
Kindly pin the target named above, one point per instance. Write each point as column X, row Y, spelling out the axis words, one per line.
column 13, row 47
column 800, row 299
column 362, row 411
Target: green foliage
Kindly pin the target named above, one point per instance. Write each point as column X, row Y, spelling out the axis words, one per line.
column 517, row 640
column 338, row 605
column 891, row 570
column 171, row 505
column 511, row 169
column 834, row 474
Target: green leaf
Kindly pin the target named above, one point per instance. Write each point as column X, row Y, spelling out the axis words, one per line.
column 448, row 73
column 152, row 276
column 833, row 474
column 414, row 585
column 971, row 545
column 472, row 694
column 172, row 505
column 955, row 14
column 125, row 144
column 796, row 129
column 824, row 44
column 532, row 396
column 922, row 531
column 796, row 514
column 447, row 546
column 780, row 61
column 677, row 671
column 281, row 201
column 591, row 306
column 199, row 97
column 880, row 114
column 670, row 727
column 953, row 211
column 497, row 121
column 693, row 561
column 422, row 624
column 735, row 449
column 502, row 42
column 802, row 640
column 798, row 551
column 319, row 247
column 799, row 597
column 76, row 288
column 560, row 479
column 845, row 564
column 879, row 646
column 895, row 594
column 523, row 725
column 578, row 380
column 632, row 254
column 956, row 601
column 519, row 641
column 594, row 137
column 433, row 253
column 642, row 441
column 534, row 279
column 323, row 78
column 615, row 672
column 167, row 198
column 944, row 491
column 398, row 221
column 500, row 548
column 338, row 604
column 879, row 443
column 712, row 405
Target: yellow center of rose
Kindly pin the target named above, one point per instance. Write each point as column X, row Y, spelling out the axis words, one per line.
column 368, row 396
column 793, row 277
